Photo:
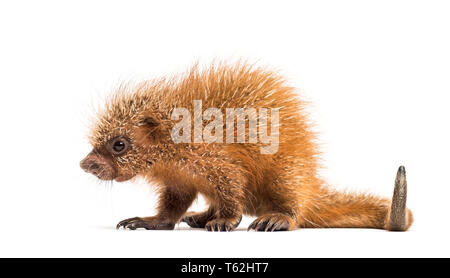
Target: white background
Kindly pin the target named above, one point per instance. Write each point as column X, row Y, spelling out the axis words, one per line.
column 376, row 72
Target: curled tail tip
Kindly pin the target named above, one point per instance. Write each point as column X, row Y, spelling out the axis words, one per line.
column 399, row 217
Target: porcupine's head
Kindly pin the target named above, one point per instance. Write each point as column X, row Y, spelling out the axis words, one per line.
column 127, row 135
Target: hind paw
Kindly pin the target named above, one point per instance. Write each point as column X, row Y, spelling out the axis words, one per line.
column 272, row 223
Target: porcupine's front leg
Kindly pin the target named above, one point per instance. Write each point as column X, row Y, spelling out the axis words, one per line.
column 229, row 203
column 174, row 200
column 199, row 219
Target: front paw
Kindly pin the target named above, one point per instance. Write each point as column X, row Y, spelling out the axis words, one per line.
column 148, row 223
column 223, row 224
column 197, row 220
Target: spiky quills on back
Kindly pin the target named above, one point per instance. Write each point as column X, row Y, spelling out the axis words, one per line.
column 221, row 85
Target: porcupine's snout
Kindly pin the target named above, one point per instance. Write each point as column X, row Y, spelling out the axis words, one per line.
column 98, row 166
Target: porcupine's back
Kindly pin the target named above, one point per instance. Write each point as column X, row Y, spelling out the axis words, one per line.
column 244, row 86
column 236, row 85
column 292, row 169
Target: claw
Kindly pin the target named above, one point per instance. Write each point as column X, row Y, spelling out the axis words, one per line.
column 126, row 222
column 271, row 223
column 222, row 225
column 149, row 223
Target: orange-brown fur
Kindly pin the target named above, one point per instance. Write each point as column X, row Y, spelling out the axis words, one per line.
column 282, row 190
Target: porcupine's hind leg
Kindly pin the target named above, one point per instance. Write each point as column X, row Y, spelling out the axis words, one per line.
column 280, row 210
column 273, row 222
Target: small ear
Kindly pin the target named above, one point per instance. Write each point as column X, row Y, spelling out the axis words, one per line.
column 150, row 123
column 147, row 131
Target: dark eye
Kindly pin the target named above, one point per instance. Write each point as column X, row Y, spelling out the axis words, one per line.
column 119, row 146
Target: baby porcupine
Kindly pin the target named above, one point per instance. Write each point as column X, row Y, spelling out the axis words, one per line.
column 133, row 136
